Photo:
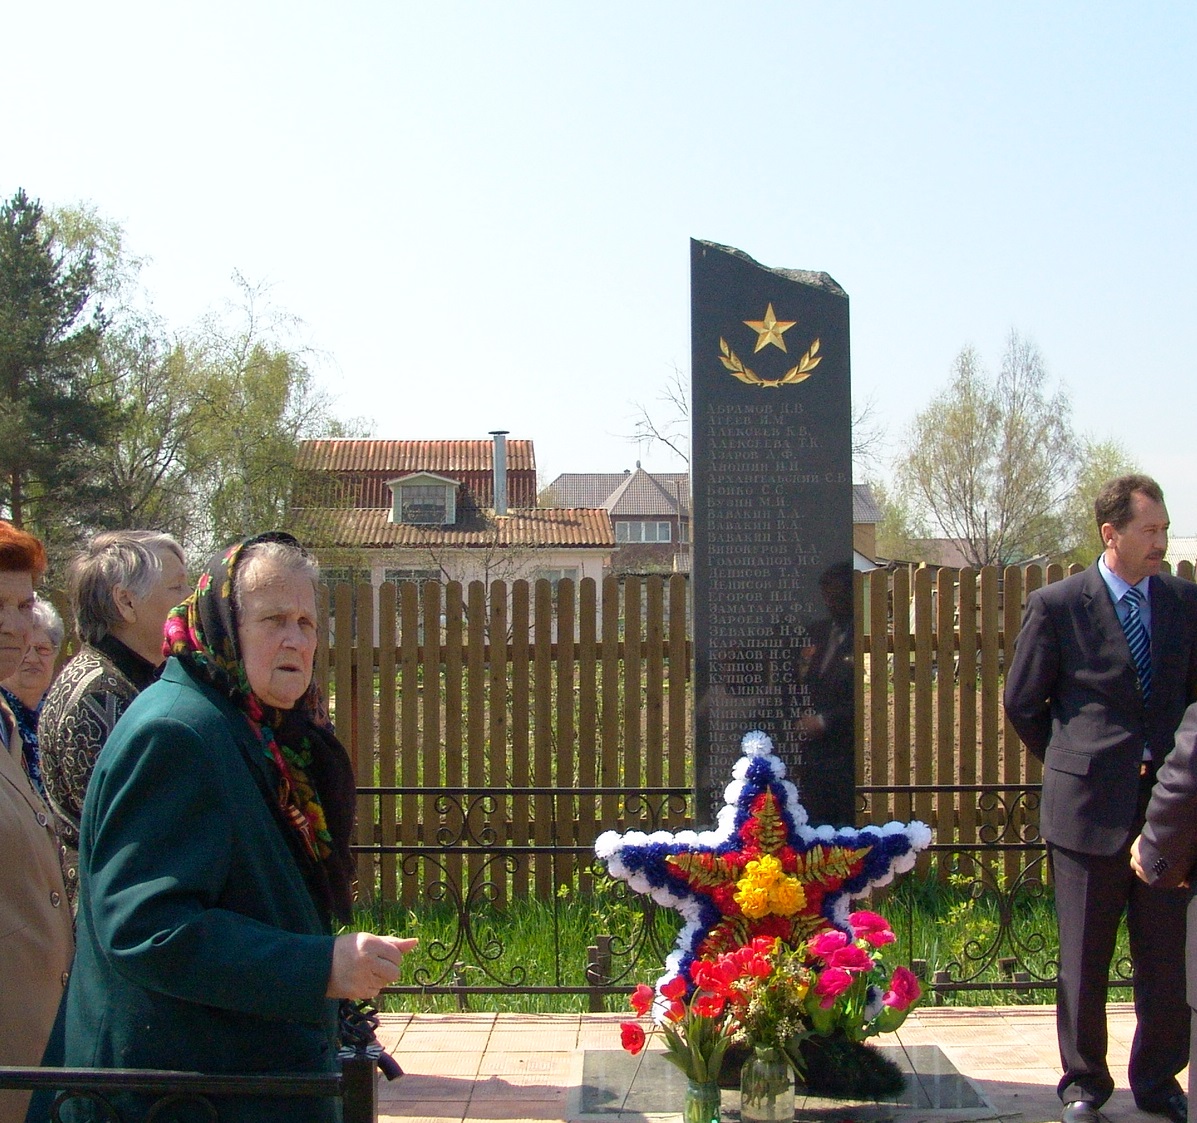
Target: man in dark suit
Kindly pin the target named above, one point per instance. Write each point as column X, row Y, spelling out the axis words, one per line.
column 1166, row 852
column 1104, row 667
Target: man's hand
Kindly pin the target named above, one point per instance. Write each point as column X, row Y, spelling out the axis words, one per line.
column 1135, row 862
column 363, row 964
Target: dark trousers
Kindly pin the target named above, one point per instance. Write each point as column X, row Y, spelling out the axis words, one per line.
column 1192, row 1050
column 1092, row 892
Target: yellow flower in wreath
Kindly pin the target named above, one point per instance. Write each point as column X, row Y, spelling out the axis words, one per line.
column 766, row 889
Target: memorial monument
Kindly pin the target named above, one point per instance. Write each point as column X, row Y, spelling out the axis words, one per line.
column 771, row 474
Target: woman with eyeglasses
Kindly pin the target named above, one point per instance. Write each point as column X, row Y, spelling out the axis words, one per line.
column 25, row 689
column 36, row 940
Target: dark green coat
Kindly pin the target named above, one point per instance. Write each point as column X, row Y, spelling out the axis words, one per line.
column 199, row 946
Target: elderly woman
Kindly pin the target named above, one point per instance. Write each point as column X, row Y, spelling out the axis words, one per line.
column 121, row 587
column 35, row 923
column 214, row 855
column 25, row 689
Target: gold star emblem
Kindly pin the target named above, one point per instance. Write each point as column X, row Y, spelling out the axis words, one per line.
column 769, row 330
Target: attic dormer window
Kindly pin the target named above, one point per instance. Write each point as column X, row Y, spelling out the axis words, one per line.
column 424, row 500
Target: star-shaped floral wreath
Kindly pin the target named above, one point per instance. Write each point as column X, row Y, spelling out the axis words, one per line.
column 763, row 871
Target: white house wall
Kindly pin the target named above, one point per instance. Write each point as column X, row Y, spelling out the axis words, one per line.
column 459, row 565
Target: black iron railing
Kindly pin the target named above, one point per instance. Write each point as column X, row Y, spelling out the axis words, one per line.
column 355, row 1086
column 465, row 865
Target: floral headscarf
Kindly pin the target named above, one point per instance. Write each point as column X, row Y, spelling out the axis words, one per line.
column 315, row 792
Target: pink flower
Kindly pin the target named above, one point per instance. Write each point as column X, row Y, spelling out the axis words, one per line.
column 832, row 983
column 850, row 958
column 631, row 1037
column 871, row 927
column 826, row 942
column 642, row 999
column 903, row 989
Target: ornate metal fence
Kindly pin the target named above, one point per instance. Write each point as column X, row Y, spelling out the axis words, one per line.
column 597, row 938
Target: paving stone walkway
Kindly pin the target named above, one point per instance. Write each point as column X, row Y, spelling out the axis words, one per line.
column 473, row 1067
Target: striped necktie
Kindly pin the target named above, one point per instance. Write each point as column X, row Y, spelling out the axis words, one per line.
column 1137, row 638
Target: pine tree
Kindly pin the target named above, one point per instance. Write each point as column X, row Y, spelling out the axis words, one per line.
column 53, row 413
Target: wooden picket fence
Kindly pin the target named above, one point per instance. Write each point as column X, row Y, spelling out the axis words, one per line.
column 510, row 719
column 496, row 731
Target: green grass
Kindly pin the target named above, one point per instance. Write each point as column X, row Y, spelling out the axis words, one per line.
column 525, row 942
column 953, row 926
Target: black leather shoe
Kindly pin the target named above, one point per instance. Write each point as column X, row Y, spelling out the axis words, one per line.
column 1175, row 1107
column 1080, row 1111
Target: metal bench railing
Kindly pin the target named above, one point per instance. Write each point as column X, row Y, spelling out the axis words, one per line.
column 356, row 1086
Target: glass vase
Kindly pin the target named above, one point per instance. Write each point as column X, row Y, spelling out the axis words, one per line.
column 766, row 1087
column 702, row 1102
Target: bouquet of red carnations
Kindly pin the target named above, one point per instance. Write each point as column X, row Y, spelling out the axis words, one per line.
column 767, row 993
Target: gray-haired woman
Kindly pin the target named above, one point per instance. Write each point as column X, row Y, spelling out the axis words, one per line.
column 121, row 588
column 25, row 689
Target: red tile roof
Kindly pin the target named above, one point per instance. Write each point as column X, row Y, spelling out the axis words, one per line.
column 524, row 527
column 400, row 457
column 350, row 471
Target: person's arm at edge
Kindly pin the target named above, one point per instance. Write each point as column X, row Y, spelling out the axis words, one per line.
column 1165, row 853
column 1030, row 676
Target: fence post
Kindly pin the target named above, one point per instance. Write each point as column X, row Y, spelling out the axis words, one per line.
column 359, row 1084
column 598, row 972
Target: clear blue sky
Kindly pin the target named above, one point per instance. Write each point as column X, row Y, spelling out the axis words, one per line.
column 481, row 211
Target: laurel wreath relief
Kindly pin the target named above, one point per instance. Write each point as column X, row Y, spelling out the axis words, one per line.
column 802, row 371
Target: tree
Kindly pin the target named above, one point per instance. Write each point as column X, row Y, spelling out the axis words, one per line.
column 207, row 419
column 149, row 457
column 81, row 233
column 254, row 398
column 146, row 382
column 899, row 526
column 1100, row 461
column 54, row 414
column 669, row 425
column 993, row 462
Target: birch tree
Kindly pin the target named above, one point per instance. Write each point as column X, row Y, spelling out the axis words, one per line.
column 992, row 461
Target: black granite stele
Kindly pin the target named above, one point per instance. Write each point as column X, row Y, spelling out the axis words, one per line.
column 772, row 491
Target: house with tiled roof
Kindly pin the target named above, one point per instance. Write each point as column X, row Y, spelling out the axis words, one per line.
column 650, row 512
column 451, row 510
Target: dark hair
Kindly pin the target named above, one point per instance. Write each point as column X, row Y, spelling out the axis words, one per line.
column 20, row 552
column 1113, row 502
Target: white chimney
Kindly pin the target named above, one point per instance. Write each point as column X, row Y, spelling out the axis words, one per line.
column 500, row 436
